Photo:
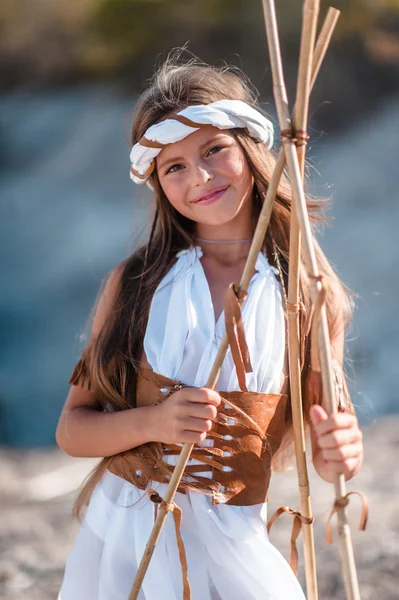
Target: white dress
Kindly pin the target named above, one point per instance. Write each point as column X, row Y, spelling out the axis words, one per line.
column 228, row 551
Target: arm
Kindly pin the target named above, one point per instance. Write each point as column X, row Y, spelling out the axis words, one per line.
column 336, row 439
column 84, row 430
column 185, row 417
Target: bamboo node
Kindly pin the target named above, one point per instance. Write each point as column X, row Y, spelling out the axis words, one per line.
column 318, row 277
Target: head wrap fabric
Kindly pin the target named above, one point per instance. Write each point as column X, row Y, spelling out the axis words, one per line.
column 223, row 114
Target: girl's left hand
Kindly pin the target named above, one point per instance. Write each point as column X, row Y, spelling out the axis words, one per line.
column 339, row 442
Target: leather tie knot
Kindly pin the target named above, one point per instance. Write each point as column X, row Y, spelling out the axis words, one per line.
column 299, row 137
column 343, row 503
column 299, row 520
column 156, row 498
column 294, row 308
column 177, row 516
column 239, row 292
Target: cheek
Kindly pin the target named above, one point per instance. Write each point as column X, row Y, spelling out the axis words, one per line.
column 175, row 194
column 236, row 167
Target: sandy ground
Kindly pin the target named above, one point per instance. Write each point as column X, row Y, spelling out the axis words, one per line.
column 37, row 529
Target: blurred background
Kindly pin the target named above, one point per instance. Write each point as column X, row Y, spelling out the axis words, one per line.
column 70, row 74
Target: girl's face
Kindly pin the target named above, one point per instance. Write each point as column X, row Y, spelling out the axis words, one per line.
column 206, row 177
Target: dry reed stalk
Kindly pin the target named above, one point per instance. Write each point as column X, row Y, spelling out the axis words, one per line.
column 322, row 44
column 256, row 245
column 300, row 122
column 344, row 534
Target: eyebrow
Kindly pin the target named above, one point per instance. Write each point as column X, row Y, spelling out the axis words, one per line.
column 177, row 158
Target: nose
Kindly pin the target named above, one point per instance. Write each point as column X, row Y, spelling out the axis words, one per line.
column 201, row 173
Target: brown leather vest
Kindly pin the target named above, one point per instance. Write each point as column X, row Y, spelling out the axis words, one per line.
column 236, row 469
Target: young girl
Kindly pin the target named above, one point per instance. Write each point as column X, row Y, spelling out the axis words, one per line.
column 203, row 146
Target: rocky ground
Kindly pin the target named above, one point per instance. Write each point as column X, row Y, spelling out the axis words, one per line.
column 37, row 529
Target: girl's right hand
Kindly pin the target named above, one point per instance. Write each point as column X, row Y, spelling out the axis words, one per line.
column 186, row 416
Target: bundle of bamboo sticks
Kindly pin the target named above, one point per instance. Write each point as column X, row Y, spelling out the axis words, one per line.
column 292, row 153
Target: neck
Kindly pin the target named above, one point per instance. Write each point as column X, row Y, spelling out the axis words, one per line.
column 222, row 241
column 226, row 245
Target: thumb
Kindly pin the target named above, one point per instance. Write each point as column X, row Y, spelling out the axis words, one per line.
column 317, row 414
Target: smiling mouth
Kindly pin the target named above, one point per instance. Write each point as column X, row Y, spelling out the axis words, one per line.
column 212, row 197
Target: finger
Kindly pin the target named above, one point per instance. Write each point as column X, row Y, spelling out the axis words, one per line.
column 194, row 424
column 317, row 414
column 342, row 453
column 335, row 421
column 339, row 437
column 344, row 468
column 202, row 395
column 192, row 437
column 202, row 411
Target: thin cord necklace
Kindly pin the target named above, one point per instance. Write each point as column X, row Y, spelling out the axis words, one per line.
column 222, row 241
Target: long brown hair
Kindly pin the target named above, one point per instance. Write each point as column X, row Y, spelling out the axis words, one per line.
column 114, row 356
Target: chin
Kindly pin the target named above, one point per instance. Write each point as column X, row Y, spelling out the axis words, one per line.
column 218, row 217
column 215, row 220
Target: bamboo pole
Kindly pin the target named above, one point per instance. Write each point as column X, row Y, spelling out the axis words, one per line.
column 256, row 246
column 323, row 42
column 300, row 120
column 344, row 534
column 294, row 335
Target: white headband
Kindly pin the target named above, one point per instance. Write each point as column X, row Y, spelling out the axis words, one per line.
column 223, row 114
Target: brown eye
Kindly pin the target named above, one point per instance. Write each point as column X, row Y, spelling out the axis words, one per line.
column 217, row 148
column 172, row 167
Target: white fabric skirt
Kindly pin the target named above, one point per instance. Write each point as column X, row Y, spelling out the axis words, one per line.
column 228, row 551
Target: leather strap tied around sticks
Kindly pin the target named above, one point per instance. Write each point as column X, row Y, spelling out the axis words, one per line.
column 299, row 520
column 342, row 503
column 299, row 137
column 236, row 334
column 294, row 308
column 177, row 516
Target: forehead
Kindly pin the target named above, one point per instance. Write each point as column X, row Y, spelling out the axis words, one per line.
column 192, row 142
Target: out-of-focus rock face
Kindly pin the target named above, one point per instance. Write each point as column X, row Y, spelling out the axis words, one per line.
column 67, row 218
column 50, row 43
column 37, row 530
column 362, row 242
